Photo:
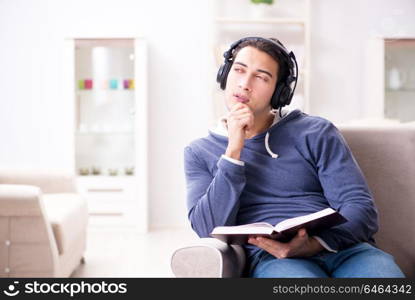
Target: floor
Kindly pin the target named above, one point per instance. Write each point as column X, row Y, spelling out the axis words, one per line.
column 114, row 250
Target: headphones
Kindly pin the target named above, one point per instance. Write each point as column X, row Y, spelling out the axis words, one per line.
column 284, row 91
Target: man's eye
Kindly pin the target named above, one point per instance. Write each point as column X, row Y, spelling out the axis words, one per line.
column 262, row 78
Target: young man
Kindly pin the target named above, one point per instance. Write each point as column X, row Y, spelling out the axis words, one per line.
column 262, row 166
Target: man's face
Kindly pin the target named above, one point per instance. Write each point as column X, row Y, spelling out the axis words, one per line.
column 252, row 80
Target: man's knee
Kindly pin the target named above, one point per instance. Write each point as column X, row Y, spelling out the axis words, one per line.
column 369, row 261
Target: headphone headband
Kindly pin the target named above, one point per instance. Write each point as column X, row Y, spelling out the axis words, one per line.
column 284, row 91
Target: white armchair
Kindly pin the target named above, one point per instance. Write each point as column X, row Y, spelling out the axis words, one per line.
column 43, row 224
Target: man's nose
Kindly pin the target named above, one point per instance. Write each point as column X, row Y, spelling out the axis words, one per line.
column 245, row 83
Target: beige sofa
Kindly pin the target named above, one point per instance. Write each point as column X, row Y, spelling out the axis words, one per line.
column 386, row 155
column 43, row 224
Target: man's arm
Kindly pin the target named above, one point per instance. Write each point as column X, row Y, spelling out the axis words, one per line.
column 212, row 200
column 345, row 189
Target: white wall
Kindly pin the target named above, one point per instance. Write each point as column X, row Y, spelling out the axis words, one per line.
column 34, row 126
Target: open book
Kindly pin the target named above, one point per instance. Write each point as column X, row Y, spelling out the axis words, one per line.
column 283, row 231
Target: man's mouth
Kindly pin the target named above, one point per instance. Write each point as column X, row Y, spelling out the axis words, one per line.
column 241, row 98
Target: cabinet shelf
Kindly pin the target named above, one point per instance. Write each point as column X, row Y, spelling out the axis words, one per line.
column 103, row 90
column 402, row 90
column 105, row 132
column 98, row 178
column 297, row 21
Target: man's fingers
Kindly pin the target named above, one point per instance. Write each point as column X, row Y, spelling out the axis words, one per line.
column 238, row 105
column 239, row 108
column 244, row 116
column 268, row 242
column 299, row 239
column 302, row 232
column 260, row 241
column 253, row 241
column 278, row 249
column 246, row 119
column 275, row 248
column 240, row 113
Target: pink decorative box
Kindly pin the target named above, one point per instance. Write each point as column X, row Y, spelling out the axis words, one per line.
column 88, row 84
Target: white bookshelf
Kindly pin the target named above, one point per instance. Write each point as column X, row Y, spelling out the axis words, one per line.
column 110, row 125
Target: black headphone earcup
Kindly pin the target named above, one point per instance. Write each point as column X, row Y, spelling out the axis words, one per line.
column 285, row 96
column 222, row 75
column 219, row 75
column 281, row 96
column 274, row 99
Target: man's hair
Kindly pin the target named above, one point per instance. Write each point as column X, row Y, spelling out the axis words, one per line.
column 271, row 50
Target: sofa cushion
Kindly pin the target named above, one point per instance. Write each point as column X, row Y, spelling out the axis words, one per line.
column 68, row 215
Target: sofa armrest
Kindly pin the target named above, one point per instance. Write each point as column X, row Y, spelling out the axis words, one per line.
column 208, row 257
column 27, row 245
column 20, row 200
column 49, row 181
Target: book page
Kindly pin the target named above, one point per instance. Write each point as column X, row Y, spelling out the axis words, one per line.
column 283, row 225
column 257, row 228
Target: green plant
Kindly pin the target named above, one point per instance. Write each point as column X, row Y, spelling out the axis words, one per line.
column 263, row 1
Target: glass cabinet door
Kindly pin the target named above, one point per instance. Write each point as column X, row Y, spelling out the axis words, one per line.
column 105, row 107
column 400, row 79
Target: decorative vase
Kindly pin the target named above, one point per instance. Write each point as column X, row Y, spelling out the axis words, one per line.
column 83, row 171
column 129, row 170
column 395, row 79
column 113, row 172
column 96, row 171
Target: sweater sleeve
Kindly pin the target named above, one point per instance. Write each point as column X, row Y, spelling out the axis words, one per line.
column 212, row 200
column 345, row 188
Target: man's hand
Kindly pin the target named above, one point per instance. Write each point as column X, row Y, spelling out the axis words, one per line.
column 300, row 246
column 240, row 119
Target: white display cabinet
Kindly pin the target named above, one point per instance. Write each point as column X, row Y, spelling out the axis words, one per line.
column 286, row 20
column 110, row 126
column 390, row 79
